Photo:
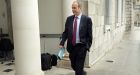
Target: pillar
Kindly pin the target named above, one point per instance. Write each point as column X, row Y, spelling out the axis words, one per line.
column 111, row 12
column 119, row 10
column 26, row 37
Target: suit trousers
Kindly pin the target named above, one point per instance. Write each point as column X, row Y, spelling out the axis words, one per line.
column 77, row 57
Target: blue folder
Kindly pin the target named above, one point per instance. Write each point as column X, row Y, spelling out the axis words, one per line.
column 61, row 53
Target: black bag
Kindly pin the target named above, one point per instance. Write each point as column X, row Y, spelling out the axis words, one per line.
column 6, row 44
column 46, row 60
column 54, row 60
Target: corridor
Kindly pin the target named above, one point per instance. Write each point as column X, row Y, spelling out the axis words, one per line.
column 123, row 59
column 35, row 27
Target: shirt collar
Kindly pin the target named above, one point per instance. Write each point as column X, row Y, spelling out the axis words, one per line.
column 79, row 16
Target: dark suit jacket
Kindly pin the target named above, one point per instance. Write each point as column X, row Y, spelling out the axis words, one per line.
column 85, row 32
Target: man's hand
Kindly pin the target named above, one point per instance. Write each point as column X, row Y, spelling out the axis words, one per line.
column 60, row 46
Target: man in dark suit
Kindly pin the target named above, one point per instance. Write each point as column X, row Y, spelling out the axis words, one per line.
column 78, row 33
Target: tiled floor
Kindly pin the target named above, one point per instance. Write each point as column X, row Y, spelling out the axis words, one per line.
column 124, row 59
column 7, row 68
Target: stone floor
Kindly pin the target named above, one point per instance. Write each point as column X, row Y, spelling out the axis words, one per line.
column 124, row 59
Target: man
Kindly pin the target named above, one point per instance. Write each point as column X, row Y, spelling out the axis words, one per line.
column 78, row 33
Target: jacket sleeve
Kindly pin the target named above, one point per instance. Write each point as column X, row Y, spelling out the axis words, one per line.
column 89, row 33
column 64, row 34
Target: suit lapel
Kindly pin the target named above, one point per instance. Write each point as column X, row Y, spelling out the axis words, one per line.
column 71, row 24
column 81, row 23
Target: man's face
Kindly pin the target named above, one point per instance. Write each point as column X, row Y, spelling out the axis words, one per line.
column 75, row 9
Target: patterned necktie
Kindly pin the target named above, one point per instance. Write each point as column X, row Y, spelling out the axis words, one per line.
column 74, row 31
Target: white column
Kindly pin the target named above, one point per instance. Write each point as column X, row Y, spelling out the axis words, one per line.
column 119, row 10
column 67, row 9
column 132, row 12
column 123, row 12
column 111, row 11
column 26, row 37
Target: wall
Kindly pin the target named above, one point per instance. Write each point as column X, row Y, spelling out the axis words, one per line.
column 105, row 37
